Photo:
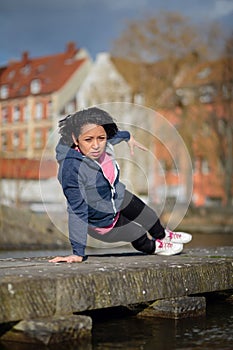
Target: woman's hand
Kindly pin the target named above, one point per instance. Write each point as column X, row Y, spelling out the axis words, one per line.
column 133, row 143
column 68, row 259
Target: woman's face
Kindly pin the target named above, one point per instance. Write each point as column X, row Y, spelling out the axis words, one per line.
column 92, row 141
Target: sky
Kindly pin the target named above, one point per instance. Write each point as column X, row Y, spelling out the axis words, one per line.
column 43, row 27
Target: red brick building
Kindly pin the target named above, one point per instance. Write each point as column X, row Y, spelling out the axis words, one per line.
column 204, row 117
column 34, row 94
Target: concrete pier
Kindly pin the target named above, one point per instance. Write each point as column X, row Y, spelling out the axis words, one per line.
column 31, row 288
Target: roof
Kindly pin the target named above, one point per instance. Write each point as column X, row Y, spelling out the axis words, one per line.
column 50, row 72
column 159, row 79
column 154, row 79
column 210, row 72
column 129, row 70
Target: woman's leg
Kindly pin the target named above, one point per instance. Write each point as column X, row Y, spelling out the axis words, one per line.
column 134, row 209
column 127, row 231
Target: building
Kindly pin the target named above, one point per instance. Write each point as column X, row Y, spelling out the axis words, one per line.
column 103, row 84
column 34, row 94
column 204, row 116
column 198, row 105
column 106, row 87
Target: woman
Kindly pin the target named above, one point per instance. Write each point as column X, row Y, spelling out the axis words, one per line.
column 98, row 203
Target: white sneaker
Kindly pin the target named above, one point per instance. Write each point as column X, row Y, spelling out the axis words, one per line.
column 166, row 247
column 178, row 237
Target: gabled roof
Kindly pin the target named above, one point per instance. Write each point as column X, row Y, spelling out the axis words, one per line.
column 150, row 79
column 210, row 72
column 50, row 72
column 159, row 79
column 130, row 71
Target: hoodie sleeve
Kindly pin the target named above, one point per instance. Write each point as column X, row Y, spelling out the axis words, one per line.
column 119, row 137
column 77, row 207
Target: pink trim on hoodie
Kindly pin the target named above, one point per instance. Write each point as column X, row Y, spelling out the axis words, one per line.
column 108, row 169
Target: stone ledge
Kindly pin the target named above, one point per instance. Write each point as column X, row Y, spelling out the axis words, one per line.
column 51, row 331
column 34, row 288
column 176, row 308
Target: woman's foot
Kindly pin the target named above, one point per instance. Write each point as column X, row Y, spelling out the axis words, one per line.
column 177, row 237
column 166, row 247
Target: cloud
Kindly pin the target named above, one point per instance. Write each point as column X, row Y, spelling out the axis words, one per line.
column 124, row 4
column 43, row 27
column 222, row 8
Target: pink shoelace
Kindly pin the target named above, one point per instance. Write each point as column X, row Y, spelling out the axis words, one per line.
column 165, row 245
column 174, row 235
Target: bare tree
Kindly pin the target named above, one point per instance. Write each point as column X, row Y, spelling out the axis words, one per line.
column 221, row 119
column 166, row 46
column 164, row 50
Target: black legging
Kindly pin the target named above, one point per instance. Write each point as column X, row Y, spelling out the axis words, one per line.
column 135, row 219
column 134, row 209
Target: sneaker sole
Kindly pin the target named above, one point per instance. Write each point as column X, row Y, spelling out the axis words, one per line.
column 168, row 254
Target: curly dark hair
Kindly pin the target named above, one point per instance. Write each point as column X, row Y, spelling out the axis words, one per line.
column 73, row 123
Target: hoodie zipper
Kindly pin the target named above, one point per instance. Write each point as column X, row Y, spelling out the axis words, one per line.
column 113, row 190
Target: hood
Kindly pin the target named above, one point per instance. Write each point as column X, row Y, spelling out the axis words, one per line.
column 63, row 151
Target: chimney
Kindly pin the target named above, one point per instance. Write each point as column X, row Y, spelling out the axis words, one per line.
column 71, row 48
column 25, row 57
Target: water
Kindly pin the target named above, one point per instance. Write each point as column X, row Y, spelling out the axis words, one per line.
column 118, row 328
column 213, row 331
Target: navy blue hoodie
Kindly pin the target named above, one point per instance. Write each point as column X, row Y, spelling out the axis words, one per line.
column 91, row 199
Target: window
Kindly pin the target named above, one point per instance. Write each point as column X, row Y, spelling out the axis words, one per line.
column 204, row 73
column 26, row 69
column 49, row 109
column 16, row 139
column 179, row 92
column 41, row 68
column 4, row 142
column 222, row 126
column 196, row 166
column 227, row 90
column 207, row 93
column 35, row 86
column 39, row 111
column 22, row 90
column 26, row 140
column 205, row 167
column 38, row 138
column 26, row 113
column 11, row 74
column 5, row 115
column 4, row 91
column 184, row 96
column 16, row 114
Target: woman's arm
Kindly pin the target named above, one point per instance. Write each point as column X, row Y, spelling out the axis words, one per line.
column 77, row 212
column 119, row 137
column 126, row 136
